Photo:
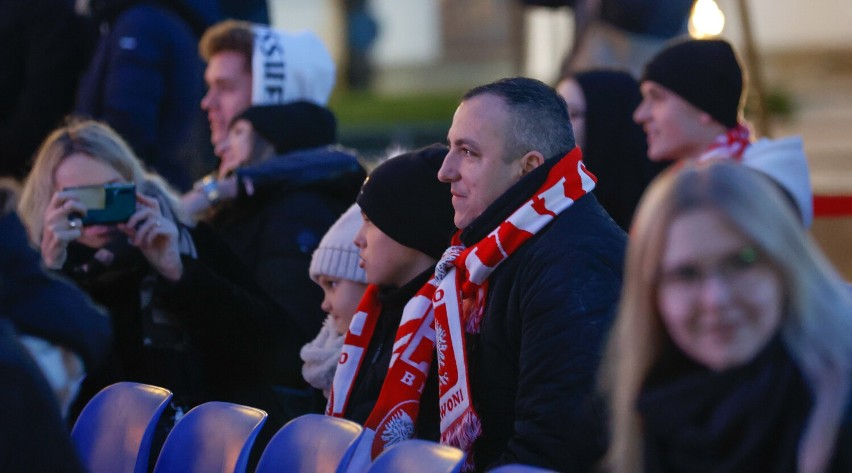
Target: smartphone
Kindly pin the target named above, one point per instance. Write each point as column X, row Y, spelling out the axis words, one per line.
column 105, row 204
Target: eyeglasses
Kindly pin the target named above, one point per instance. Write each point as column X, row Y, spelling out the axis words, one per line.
column 735, row 269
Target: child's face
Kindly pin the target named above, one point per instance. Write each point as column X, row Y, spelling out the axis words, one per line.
column 341, row 299
column 386, row 262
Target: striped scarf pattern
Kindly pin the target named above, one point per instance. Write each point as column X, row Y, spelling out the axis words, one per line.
column 393, row 418
column 438, row 316
column 729, row 145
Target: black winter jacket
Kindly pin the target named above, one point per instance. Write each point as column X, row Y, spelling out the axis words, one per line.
column 298, row 196
column 549, row 307
column 146, row 81
column 45, row 306
column 211, row 335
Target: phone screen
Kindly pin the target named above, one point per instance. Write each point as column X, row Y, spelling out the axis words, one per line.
column 109, row 203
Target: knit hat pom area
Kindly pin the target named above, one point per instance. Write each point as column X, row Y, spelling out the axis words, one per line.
column 336, row 255
column 705, row 73
column 404, row 199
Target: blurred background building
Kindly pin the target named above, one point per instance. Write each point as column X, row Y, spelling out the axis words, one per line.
column 421, row 55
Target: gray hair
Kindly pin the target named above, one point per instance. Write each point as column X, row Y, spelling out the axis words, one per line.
column 538, row 117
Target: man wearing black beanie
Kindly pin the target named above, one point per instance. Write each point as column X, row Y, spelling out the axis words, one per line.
column 408, row 221
column 692, row 101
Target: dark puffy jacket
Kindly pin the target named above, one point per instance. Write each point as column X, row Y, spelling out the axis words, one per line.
column 208, row 336
column 214, row 335
column 549, row 307
column 298, row 196
column 44, row 306
column 146, row 81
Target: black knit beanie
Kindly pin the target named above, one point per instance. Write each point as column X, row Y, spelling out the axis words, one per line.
column 404, row 199
column 705, row 73
column 292, row 126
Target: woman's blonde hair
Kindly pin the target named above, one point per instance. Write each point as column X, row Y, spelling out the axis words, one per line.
column 817, row 327
column 97, row 141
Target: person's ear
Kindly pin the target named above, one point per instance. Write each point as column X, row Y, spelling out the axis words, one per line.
column 530, row 161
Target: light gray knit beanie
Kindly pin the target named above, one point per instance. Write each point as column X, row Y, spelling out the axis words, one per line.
column 337, row 256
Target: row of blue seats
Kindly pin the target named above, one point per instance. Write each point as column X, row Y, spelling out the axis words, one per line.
column 115, row 430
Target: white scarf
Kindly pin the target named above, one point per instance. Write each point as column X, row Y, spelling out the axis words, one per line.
column 320, row 356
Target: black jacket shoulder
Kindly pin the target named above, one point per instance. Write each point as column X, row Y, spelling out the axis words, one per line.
column 549, row 307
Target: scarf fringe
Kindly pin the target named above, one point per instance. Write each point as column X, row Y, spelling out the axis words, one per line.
column 462, row 434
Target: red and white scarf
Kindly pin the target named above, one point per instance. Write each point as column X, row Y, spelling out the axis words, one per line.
column 729, row 145
column 435, row 316
column 393, row 417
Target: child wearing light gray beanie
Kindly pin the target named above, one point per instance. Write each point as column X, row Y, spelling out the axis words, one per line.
column 334, row 266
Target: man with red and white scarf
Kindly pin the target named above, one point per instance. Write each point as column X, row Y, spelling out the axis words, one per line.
column 526, row 293
column 692, row 97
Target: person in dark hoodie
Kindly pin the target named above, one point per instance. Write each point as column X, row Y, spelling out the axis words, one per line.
column 146, row 79
column 601, row 104
column 276, row 230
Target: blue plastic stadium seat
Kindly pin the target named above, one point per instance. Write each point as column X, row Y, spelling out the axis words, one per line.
column 418, row 456
column 308, row 444
column 214, row 437
column 115, row 429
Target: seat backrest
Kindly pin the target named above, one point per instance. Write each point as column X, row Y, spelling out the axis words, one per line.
column 518, row 468
column 419, row 456
column 116, row 427
column 214, row 437
column 309, row 443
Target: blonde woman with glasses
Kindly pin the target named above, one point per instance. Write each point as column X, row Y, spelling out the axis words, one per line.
column 732, row 350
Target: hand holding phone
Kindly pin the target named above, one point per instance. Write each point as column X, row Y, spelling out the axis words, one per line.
column 156, row 236
column 58, row 230
column 105, row 204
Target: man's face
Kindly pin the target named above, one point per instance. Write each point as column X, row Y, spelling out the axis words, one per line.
column 675, row 129
column 228, row 79
column 475, row 166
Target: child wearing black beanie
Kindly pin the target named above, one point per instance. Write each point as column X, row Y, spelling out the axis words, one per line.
column 404, row 199
column 408, row 222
